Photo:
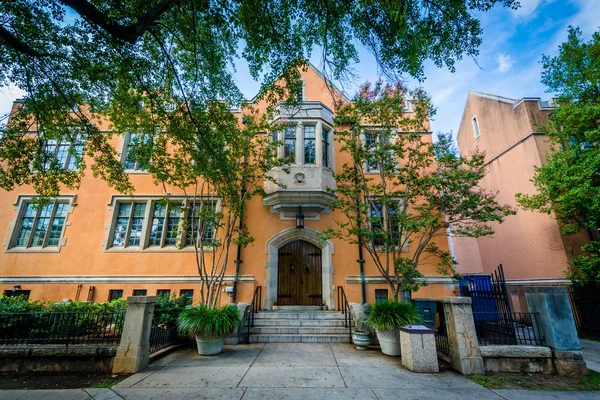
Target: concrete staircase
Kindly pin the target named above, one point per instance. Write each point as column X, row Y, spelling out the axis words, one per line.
column 299, row 327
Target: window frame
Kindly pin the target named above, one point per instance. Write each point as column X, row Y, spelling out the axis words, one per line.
column 325, row 147
column 78, row 142
column 125, row 154
column 313, row 140
column 145, row 246
column 135, row 292
column 112, row 291
column 476, row 127
column 292, row 156
column 369, row 132
column 19, row 207
column 373, row 201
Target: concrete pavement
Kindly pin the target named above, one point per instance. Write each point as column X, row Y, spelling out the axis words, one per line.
column 294, row 371
column 591, row 354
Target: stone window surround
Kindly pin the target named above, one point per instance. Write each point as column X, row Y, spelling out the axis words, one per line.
column 363, row 138
column 319, row 125
column 19, row 208
column 145, row 238
column 379, row 249
column 476, row 128
column 125, row 137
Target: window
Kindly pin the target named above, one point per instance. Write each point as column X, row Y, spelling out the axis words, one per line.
column 129, row 224
column 139, row 292
column 310, row 152
column 135, row 151
column 188, row 293
column 289, row 143
column 379, row 222
column 381, row 295
column 163, row 292
column 374, row 160
column 115, row 294
column 475, row 123
column 16, row 293
column 154, row 225
column 64, row 154
column 165, row 221
column 40, row 225
column 325, row 135
column 300, row 91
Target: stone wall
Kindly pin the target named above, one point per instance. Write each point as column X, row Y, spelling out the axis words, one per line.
column 57, row 358
column 518, row 359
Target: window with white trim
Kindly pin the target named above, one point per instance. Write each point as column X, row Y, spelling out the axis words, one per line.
column 310, row 148
column 372, row 142
column 326, row 138
column 289, row 143
column 64, row 154
column 383, row 223
column 475, row 123
column 40, row 225
column 135, row 144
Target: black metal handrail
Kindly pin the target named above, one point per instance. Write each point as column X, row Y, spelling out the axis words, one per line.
column 162, row 337
column 66, row 328
column 344, row 307
column 253, row 309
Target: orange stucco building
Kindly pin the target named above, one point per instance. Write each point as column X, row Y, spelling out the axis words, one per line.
column 82, row 255
column 529, row 245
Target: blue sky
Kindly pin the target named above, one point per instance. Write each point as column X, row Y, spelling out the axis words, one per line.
column 508, row 64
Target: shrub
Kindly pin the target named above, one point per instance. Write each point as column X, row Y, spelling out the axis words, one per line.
column 392, row 314
column 167, row 309
column 206, row 321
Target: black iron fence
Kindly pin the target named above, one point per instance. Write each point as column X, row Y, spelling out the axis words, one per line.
column 441, row 334
column 585, row 302
column 514, row 328
column 61, row 328
column 162, row 337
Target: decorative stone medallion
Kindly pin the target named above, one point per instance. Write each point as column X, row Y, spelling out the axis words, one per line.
column 299, row 178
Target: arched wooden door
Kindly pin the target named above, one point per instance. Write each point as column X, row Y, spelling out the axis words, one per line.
column 299, row 279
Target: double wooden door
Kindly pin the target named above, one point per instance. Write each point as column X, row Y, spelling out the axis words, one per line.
column 299, row 275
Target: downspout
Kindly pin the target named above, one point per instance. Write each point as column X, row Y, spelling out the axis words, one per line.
column 360, row 260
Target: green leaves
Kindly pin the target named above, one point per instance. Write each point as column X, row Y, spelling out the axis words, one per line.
column 207, row 321
column 386, row 315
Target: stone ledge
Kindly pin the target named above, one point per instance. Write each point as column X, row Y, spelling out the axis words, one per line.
column 516, row 352
column 545, row 289
column 456, row 300
column 57, row 351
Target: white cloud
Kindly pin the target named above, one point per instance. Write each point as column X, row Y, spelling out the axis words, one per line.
column 527, row 9
column 505, row 62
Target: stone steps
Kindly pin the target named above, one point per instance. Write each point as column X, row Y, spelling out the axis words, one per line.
column 306, row 326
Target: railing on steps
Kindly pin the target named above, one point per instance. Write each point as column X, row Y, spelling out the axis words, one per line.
column 253, row 309
column 162, row 337
column 344, row 307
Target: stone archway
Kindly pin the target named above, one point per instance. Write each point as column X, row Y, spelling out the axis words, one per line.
column 290, row 235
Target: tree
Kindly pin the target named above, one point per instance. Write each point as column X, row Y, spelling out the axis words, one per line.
column 568, row 184
column 400, row 192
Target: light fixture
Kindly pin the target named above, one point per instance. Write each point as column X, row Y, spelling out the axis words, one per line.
column 299, row 219
column 16, row 287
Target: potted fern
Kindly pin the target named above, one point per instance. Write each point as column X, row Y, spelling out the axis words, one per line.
column 387, row 317
column 209, row 325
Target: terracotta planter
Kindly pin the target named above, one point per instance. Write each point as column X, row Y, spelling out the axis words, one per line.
column 209, row 346
column 389, row 341
column 361, row 339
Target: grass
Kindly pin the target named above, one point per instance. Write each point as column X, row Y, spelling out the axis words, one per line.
column 590, row 382
column 107, row 383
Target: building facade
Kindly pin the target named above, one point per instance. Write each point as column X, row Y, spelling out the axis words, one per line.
column 529, row 245
column 96, row 244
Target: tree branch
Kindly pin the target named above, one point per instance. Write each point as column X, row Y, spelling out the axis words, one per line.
column 17, row 44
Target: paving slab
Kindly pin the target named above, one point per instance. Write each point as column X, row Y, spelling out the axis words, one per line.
column 309, row 394
column 237, row 356
column 347, row 356
column 55, row 394
column 389, row 377
column 434, row 394
column 290, row 377
column 194, row 377
column 457, row 381
column 103, row 394
column 181, row 394
column 140, row 376
column 510, row 394
column 591, row 354
column 295, row 354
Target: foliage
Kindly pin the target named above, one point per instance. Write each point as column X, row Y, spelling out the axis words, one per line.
column 400, row 191
column 529, row 381
column 168, row 307
column 568, row 184
column 392, row 314
column 22, row 304
column 136, row 65
column 210, row 322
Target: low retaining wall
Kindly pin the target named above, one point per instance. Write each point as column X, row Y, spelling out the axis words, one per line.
column 57, row 358
column 519, row 359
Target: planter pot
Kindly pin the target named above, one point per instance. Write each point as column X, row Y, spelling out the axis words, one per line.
column 209, row 346
column 361, row 339
column 389, row 341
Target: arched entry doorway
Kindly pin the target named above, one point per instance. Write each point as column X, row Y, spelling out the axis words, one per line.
column 289, row 236
column 299, row 275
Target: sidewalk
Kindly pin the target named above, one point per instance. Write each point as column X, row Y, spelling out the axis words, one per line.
column 290, row 371
column 591, row 354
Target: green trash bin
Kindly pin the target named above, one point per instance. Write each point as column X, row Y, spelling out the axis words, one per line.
column 427, row 308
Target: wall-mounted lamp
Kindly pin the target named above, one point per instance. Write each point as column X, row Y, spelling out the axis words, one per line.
column 16, row 287
column 299, row 219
